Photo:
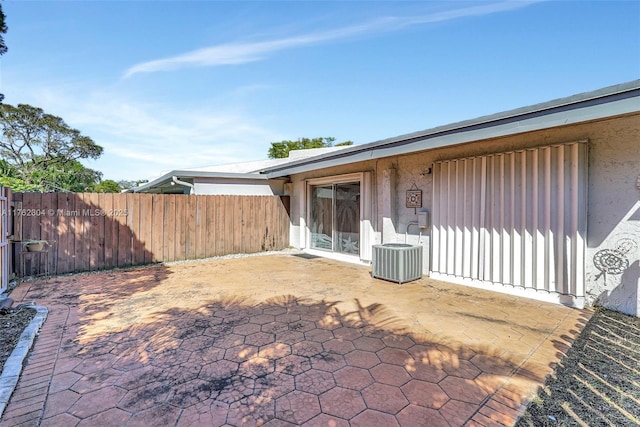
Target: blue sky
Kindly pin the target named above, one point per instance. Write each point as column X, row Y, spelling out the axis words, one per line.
column 165, row 85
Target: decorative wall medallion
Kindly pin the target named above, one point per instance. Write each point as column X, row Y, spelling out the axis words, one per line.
column 614, row 261
column 414, row 198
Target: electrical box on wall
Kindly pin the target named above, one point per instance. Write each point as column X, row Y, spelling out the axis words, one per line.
column 423, row 219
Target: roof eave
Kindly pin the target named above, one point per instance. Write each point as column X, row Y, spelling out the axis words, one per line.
column 608, row 102
column 190, row 175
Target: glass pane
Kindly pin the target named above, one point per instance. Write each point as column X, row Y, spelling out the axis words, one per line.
column 347, row 214
column 322, row 217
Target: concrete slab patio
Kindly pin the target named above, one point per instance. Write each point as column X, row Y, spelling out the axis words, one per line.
column 281, row 340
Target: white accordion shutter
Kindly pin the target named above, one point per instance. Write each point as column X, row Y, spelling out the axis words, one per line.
column 515, row 219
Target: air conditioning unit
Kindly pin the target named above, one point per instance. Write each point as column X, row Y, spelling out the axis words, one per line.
column 397, row 262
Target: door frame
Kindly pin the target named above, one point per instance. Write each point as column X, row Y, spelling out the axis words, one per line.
column 366, row 218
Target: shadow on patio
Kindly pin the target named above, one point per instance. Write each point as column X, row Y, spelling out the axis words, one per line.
column 282, row 340
column 598, row 381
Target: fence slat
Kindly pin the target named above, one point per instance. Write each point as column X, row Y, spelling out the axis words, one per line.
column 145, row 215
column 17, row 219
column 110, row 233
column 236, row 208
column 65, row 232
column 96, row 255
column 210, row 222
column 200, row 226
column 181, row 215
column 254, row 230
column 133, row 206
column 128, row 220
column 124, row 233
column 49, row 227
column 232, row 215
column 223, row 232
column 158, row 228
column 227, row 217
column 172, row 224
column 284, row 204
column 191, row 216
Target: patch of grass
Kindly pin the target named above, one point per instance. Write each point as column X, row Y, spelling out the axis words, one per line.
column 598, row 381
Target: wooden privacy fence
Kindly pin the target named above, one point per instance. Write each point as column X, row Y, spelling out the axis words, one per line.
column 91, row 231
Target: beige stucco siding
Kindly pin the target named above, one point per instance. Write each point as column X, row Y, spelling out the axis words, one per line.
column 613, row 220
column 238, row 186
column 613, row 234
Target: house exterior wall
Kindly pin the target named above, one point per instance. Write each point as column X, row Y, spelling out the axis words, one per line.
column 612, row 259
column 297, row 190
column 240, row 187
column 613, row 233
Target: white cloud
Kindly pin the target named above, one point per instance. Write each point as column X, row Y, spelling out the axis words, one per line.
column 141, row 139
column 173, row 138
column 240, row 53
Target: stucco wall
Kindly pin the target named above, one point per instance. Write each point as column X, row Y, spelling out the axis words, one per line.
column 613, row 222
column 613, row 242
column 241, row 187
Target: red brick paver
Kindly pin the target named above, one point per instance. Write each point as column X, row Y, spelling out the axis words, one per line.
column 312, row 342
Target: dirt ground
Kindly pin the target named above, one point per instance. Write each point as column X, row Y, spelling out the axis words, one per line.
column 12, row 323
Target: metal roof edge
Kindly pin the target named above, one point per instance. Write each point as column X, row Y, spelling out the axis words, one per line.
column 227, row 175
column 190, row 174
column 588, row 100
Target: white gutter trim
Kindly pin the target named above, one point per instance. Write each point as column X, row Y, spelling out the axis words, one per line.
column 166, row 178
column 175, row 180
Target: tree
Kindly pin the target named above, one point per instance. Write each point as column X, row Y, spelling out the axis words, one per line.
column 108, row 186
column 128, row 185
column 280, row 150
column 73, row 177
column 8, row 178
column 3, row 46
column 44, row 152
column 3, row 30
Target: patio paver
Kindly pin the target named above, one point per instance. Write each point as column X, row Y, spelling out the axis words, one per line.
column 281, row 340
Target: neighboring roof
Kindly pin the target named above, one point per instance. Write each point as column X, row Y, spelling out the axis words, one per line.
column 244, row 170
column 165, row 182
column 603, row 103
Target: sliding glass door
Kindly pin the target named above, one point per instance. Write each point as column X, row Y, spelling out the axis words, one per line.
column 335, row 217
